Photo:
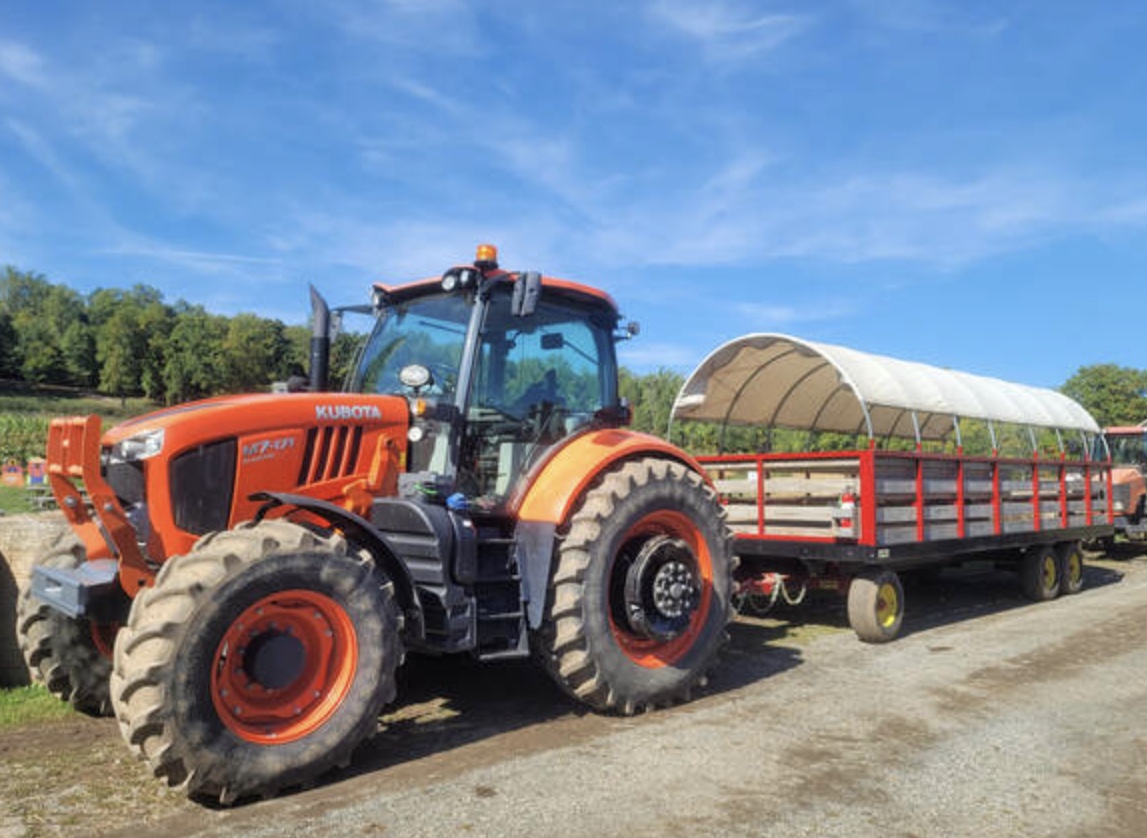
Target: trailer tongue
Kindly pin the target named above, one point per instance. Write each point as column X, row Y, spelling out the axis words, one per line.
column 862, row 466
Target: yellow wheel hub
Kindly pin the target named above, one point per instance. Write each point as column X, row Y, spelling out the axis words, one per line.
column 887, row 605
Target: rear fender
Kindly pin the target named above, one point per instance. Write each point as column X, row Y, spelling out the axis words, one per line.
column 549, row 501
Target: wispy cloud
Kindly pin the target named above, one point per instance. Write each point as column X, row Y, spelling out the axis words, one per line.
column 773, row 317
column 443, row 27
column 928, row 16
column 942, row 221
column 23, row 65
column 42, row 152
column 729, row 32
column 192, row 257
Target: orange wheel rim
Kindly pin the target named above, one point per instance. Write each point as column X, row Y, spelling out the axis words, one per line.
column 652, row 653
column 284, row 666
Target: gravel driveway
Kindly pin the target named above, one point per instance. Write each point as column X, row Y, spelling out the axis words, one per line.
column 988, row 717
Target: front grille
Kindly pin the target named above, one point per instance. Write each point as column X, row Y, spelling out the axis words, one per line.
column 126, row 480
column 202, row 486
column 330, row 452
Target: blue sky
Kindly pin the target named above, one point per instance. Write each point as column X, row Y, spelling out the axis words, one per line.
column 959, row 183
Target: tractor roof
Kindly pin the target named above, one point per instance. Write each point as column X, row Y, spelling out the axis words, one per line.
column 563, row 287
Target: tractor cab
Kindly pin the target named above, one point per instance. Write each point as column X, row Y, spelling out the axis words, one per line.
column 498, row 367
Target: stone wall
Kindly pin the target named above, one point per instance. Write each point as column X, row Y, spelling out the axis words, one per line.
column 22, row 539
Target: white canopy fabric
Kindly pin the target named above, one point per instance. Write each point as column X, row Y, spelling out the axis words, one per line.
column 776, row 380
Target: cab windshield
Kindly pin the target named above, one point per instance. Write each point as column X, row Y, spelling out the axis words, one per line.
column 430, row 331
column 1128, row 450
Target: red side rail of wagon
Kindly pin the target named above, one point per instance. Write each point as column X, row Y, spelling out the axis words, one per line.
column 876, row 499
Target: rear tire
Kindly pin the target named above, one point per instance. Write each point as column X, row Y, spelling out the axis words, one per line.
column 257, row 662
column 70, row 656
column 876, row 605
column 641, row 589
column 1040, row 573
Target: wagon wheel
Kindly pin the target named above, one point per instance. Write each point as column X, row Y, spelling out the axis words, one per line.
column 1040, row 573
column 876, row 605
column 1070, row 558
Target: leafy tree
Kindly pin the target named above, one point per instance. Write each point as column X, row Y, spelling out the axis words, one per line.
column 41, row 360
column 21, row 291
column 9, row 357
column 121, row 353
column 156, row 321
column 53, row 338
column 193, row 367
column 78, row 348
column 252, row 352
column 651, row 398
column 1114, row 395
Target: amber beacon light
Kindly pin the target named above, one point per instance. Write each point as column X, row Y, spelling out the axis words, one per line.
column 486, row 257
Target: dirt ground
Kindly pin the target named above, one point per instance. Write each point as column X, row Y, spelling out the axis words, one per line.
column 989, row 716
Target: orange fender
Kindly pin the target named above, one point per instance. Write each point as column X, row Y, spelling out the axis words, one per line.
column 563, row 479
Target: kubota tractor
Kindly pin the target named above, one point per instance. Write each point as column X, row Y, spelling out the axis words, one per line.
column 261, row 564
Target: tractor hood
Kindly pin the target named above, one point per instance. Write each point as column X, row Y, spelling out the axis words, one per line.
column 266, row 415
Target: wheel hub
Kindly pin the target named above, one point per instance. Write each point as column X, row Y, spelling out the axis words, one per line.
column 274, row 660
column 662, row 589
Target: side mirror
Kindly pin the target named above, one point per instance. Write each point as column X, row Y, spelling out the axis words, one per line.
column 632, row 329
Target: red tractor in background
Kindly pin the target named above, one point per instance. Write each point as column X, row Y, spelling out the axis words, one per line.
column 248, row 572
column 1128, row 448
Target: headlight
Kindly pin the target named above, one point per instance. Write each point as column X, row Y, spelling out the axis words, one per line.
column 139, row 447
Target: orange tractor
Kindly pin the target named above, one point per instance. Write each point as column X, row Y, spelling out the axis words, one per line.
column 247, row 573
column 1127, row 446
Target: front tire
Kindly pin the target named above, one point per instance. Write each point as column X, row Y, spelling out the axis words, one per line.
column 258, row 661
column 641, row 590
column 70, row 656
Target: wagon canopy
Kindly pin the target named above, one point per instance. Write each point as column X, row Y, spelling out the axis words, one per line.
column 775, row 380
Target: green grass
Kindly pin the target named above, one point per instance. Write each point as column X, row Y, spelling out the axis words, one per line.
column 14, row 500
column 59, row 403
column 29, row 705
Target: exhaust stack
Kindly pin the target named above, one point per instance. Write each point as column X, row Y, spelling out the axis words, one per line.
column 320, row 341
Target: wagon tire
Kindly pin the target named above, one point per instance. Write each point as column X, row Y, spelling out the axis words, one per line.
column 1040, row 573
column 641, row 590
column 70, row 656
column 1070, row 558
column 257, row 662
column 876, row 605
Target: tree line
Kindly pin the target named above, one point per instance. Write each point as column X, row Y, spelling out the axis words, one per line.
column 134, row 343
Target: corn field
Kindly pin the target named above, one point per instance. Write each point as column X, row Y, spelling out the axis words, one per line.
column 22, row 435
